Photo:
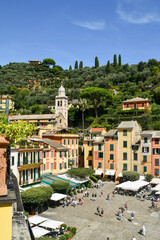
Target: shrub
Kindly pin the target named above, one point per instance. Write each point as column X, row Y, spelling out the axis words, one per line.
column 62, row 238
column 64, row 225
column 74, row 229
column 103, row 179
column 94, row 179
column 130, row 176
column 67, row 236
column 148, row 177
column 69, row 228
column 60, row 186
column 80, row 172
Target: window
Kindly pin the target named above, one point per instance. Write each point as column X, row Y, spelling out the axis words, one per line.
column 38, row 157
column 31, row 157
column 135, row 168
column 60, row 165
column 72, row 152
column 156, row 150
column 18, row 159
column 0, row 101
column 51, row 166
column 99, row 147
column 90, row 162
column 90, row 152
column 99, row 165
column 142, row 104
column 111, row 166
column 65, row 165
column 65, row 154
column 100, row 155
column 124, row 144
column 68, row 141
column 124, row 132
column 23, row 158
column 111, row 156
column 44, row 167
column 134, row 147
column 64, row 141
column 127, row 105
column 145, row 149
column 27, row 175
column 12, row 160
column 145, row 169
column 44, row 154
column 156, row 162
column 124, row 156
column 52, row 154
column 34, row 157
column 144, row 158
column 124, row 167
column 156, row 171
column 76, row 141
column 135, row 156
column 31, row 173
column 39, row 172
column 156, row 141
column 145, row 140
column 58, row 103
column 135, row 105
column 90, row 144
column 72, row 141
column 60, row 154
column 111, row 147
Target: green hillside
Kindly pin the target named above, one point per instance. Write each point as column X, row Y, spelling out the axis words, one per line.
column 34, row 89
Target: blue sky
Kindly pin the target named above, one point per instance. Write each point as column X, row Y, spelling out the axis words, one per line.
column 69, row 30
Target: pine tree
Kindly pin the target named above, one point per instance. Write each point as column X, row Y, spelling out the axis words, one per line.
column 70, row 68
column 119, row 60
column 76, row 65
column 96, row 62
column 115, row 60
column 81, row 64
column 108, row 67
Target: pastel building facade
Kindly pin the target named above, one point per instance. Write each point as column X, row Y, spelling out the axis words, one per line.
column 6, row 103
column 156, row 154
column 136, row 103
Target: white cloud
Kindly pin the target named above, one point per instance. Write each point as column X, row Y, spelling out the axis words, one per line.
column 92, row 25
column 133, row 15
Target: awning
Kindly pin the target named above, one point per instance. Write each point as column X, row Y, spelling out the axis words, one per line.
column 156, row 188
column 36, row 219
column 157, row 193
column 110, row 172
column 155, row 181
column 39, row 232
column 120, row 175
column 57, row 196
column 51, row 224
column 98, row 172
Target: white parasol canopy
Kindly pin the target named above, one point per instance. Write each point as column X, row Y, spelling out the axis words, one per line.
column 110, row 172
column 156, row 188
column 51, row 224
column 36, row 219
column 39, row 232
column 57, row 196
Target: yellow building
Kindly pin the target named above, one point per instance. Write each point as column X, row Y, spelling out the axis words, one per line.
column 136, row 103
column 88, row 152
column 129, row 146
column 44, row 122
column 6, row 103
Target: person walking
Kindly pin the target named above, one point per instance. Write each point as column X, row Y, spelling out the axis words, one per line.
column 102, row 212
column 108, row 196
column 133, row 238
column 126, row 207
column 143, row 230
column 98, row 210
column 101, row 192
column 132, row 216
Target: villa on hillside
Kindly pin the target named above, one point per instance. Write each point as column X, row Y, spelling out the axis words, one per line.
column 136, row 103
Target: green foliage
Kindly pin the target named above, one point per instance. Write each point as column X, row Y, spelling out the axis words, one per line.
column 80, row 172
column 62, row 238
column 67, row 236
column 130, row 176
column 96, row 62
column 60, row 186
column 94, row 179
column 49, row 62
column 36, row 195
column 81, row 65
column 119, row 60
column 70, row 68
column 64, row 225
column 36, row 109
column 148, row 177
column 74, row 229
column 115, row 60
column 76, row 65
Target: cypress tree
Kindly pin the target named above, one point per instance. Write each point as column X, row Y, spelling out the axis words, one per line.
column 70, row 68
column 108, row 67
column 115, row 60
column 81, row 64
column 76, row 65
column 119, row 60
column 96, row 62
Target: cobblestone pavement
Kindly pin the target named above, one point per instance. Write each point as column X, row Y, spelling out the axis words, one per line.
column 91, row 226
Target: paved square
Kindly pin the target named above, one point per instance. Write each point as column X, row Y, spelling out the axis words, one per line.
column 90, row 226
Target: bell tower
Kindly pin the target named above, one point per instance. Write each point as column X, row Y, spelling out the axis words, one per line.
column 61, row 103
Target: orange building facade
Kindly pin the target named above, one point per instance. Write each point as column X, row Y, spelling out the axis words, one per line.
column 136, row 103
column 156, row 154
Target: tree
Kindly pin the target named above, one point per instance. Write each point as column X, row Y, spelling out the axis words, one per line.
column 76, row 65
column 16, row 130
column 115, row 60
column 81, row 64
column 96, row 96
column 148, row 177
column 36, row 109
column 48, row 62
column 70, row 68
column 83, row 106
column 119, row 60
column 130, row 176
column 96, row 62
column 108, row 67
column 46, row 109
column 80, row 172
column 60, row 186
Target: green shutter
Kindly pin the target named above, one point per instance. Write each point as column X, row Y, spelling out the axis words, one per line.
column 31, row 173
column 65, row 165
column 26, row 158
column 12, row 160
column 111, row 147
column 23, row 158
column 60, row 165
column 26, row 174
column 31, row 157
column 38, row 157
column 34, row 157
column 39, row 174
column 124, row 144
column 18, row 159
column 111, row 156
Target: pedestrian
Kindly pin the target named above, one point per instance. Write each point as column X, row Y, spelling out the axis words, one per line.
column 153, row 204
column 64, row 204
column 101, row 192
column 133, row 238
column 108, row 238
column 125, row 205
column 144, row 197
column 120, row 216
column 132, row 216
column 122, row 210
column 156, row 203
column 143, row 230
column 95, row 196
column 98, row 210
column 108, row 196
column 102, row 212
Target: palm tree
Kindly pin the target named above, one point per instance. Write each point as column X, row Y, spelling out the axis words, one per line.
column 83, row 105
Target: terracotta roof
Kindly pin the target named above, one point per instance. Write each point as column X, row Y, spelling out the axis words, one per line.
column 137, row 99
column 96, row 130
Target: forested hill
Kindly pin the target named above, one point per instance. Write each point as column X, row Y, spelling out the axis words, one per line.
column 34, row 89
